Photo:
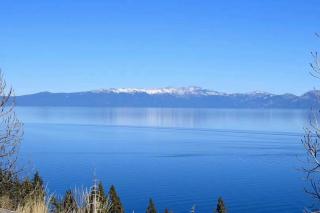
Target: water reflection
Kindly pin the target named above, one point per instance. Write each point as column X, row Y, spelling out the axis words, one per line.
column 243, row 119
column 199, row 155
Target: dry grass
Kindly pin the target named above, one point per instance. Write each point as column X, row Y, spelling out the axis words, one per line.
column 5, row 202
column 34, row 206
column 42, row 205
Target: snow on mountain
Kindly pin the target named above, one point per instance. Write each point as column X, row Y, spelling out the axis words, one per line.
column 260, row 93
column 179, row 91
column 159, row 91
column 195, row 97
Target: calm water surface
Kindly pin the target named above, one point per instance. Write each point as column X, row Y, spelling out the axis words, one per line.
column 179, row 157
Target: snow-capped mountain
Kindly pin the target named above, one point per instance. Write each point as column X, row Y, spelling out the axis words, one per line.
column 193, row 90
column 195, row 97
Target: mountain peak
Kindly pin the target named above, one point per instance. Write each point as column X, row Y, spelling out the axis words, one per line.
column 191, row 90
column 171, row 97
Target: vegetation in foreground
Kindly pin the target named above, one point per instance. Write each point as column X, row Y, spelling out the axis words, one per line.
column 29, row 196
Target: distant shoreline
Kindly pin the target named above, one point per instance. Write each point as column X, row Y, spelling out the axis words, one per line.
column 191, row 98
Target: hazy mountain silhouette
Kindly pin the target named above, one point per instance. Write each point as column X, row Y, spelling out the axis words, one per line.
column 170, row 97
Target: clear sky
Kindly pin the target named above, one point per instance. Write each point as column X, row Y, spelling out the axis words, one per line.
column 228, row 46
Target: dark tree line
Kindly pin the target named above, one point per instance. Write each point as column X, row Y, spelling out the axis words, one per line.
column 20, row 191
column 111, row 203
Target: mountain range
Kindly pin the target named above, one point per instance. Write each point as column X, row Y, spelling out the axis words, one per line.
column 184, row 97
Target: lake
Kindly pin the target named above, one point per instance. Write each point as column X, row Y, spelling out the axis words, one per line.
column 179, row 157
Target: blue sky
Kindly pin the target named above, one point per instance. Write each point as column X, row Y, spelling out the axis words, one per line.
column 229, row 46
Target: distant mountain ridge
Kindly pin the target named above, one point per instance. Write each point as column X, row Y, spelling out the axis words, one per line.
column 184, row 97
column 160, row 91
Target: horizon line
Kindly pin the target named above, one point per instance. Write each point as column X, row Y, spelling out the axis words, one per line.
column 166, row 87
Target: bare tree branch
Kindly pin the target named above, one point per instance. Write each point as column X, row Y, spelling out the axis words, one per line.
column 11, row 129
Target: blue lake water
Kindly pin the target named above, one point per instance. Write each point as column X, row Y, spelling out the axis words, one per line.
column 179, row 157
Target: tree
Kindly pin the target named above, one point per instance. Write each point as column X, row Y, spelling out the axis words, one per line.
column 39, row 191
column 98, row 202
column 10, row 137
column 69, row 203
column 37, row 180
column 311, row 142
column 151, row 207
column 220, row 206
column 101, row 194
column 24, row 192
column 116, row 206
column 11, row 130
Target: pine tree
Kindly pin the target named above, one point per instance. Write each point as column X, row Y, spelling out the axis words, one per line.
column 26, row 190
column 98, row 199
column 151, row 208
column 39, row 191
column 69, row 203
column 37, row 180
column 101, row 193
column 220, row 206
column 116, row 206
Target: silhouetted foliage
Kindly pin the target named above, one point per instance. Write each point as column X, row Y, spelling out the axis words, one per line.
column 102, row 196
column 69, row 203
column 151, row 207
column 39, row 191
column 116, row 206
column 11, row 130
column 19, row 191
column 98, row 199
column 220, row 206
column 37, row 180
column 311, row 142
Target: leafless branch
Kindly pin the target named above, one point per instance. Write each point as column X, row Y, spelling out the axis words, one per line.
column 11, row 129
column 311, row 141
